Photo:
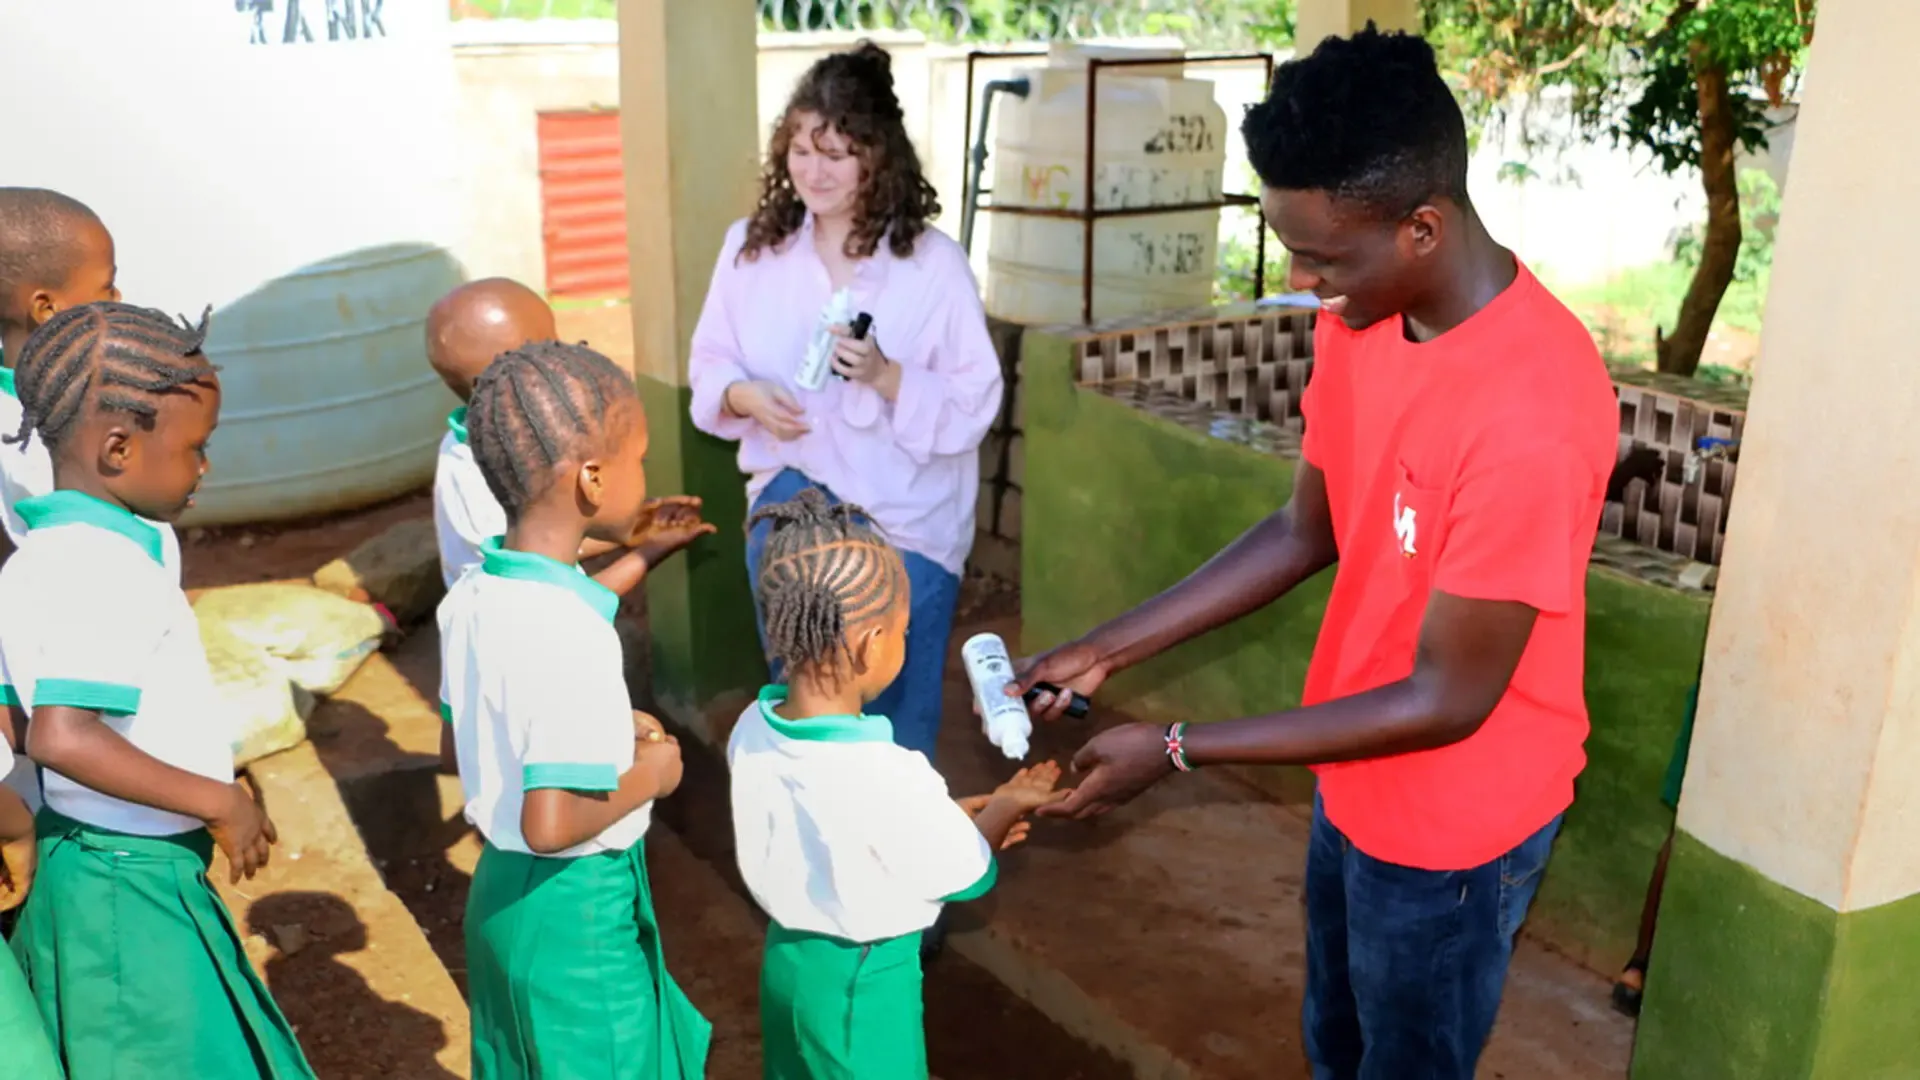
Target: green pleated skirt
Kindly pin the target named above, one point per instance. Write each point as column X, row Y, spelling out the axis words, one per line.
column 832, row 1009
column 25, row 1051
column 134, row 963
column 565, row 973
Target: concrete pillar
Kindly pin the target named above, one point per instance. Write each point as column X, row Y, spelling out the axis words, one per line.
column 1789, row 939
column 1317, row 20
column 691, row 146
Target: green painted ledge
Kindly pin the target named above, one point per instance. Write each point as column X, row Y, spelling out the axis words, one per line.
column 699, row 607
column 1119, row 505
column 1753, row 981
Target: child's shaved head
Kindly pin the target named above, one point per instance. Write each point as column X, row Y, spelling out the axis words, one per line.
column 477, row 322
column 54, row 254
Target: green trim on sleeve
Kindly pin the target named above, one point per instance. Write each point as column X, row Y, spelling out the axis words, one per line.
column 110, row 698
column 979, row 888
column 9, row 697
column 446, row 713
column 6, row 380
column 457, row 423
column 569, row 777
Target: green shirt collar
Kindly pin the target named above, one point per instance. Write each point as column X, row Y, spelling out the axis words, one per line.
column 79, row 508
column 6, row 381
column 862, row 728
column 457, row 423
column 502, row 561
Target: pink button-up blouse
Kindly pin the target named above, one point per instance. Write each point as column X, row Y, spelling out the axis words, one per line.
column 913, row 463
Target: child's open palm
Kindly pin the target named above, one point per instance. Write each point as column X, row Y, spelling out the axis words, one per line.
column 667, row 525
column 1033, row 787
column 1030, row 789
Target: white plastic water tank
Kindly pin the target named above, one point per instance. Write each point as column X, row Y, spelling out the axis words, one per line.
column 1160, row 140
column 292, row 164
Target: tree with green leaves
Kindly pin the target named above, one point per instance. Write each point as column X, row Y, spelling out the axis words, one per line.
column 1688, row 80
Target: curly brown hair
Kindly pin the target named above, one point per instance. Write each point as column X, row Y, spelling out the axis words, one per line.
column 852, row 93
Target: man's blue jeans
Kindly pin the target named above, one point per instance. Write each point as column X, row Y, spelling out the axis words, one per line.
column 1405, row 966
column 913, row 701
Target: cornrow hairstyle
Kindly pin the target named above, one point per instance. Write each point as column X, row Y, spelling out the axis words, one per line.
column 536, row 406
column 824, row 572
column 39, row 244
column 106, row 356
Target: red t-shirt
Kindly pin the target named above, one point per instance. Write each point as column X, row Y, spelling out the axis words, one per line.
column 1474, row 464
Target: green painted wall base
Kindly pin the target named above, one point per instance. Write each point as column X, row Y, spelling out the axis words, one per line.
column 1753, row 981
column 1118, row 505
column 699, row 608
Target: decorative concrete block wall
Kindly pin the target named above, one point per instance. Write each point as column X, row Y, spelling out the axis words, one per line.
column 1672, row 415
column 1253, row 363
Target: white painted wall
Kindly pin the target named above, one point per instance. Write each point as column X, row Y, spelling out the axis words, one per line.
column 509, row 73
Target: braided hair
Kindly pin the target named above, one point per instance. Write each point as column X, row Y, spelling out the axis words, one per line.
column 824, row 572
column 536, row 406
column 118, row 357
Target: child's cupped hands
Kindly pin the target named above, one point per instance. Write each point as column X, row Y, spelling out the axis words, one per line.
column 1029, row 790
column 667, row 525
column 18, row 859
column 646, row 728
column 1032, row 788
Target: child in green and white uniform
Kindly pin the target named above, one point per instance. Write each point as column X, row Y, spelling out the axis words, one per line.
column 850, row 843
column 25, row 1052
column 54, row 254
column 564, row 965
column 132, row 958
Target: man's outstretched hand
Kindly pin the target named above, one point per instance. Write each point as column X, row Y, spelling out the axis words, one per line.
column 1115, row 767
column 1075, row 666
column 667, row 525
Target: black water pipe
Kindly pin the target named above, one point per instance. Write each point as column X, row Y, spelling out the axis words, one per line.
column 1019, row 88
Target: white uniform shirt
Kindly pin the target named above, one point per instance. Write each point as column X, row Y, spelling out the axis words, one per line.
column 26, row 470
column 465, row 513
column 840, row 832
column 91, row 617
column 532, row 682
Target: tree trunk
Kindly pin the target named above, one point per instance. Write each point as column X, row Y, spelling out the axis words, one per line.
column 1679, row 352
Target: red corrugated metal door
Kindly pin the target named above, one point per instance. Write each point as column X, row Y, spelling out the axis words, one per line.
column 583, row 204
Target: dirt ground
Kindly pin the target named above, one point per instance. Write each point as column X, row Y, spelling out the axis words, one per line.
column 285, row 550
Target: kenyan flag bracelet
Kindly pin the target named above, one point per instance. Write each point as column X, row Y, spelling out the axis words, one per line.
column 1177, row 747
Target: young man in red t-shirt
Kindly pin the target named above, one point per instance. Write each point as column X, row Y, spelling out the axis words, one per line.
column 1460, row 429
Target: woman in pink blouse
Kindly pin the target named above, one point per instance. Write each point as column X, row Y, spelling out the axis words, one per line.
column 843, row 204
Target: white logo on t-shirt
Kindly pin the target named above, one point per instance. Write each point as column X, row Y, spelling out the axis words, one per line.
column 1404, row 526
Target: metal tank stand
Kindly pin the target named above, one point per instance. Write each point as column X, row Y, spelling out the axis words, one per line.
column 1087, row 215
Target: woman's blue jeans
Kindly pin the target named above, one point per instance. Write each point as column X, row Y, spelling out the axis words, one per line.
column 913, row 701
